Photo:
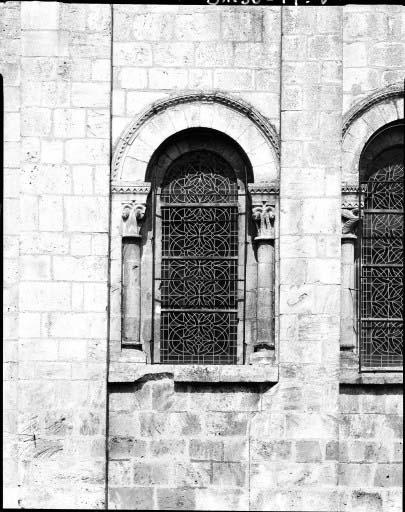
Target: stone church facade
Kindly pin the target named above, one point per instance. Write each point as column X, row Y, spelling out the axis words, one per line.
column 196, row 314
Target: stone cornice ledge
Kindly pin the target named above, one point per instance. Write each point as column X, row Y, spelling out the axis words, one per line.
column 133, row 372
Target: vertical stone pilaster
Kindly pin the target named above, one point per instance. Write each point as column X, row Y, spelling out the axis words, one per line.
column 10, row 68
column 303, row 407
column 64, row 222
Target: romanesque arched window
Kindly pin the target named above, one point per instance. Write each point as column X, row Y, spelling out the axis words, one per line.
column 381, row 253
column 199, row 262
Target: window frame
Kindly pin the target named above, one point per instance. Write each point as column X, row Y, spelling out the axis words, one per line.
column 242, row 201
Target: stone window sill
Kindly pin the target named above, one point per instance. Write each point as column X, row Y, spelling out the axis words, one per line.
column 132, row 372
column 349, row 373
column 355, row 377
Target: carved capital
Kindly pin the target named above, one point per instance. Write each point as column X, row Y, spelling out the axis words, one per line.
column 350, row 220
column 264, row 216
column 133, row 214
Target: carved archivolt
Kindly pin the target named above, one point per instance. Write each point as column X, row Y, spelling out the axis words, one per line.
column 391, row 91
column 363, row 120
column 266, row 133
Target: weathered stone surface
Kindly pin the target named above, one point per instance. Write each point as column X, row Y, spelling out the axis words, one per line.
column 197, row 437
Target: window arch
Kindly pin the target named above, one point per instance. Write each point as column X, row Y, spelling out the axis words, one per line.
column 381, row 256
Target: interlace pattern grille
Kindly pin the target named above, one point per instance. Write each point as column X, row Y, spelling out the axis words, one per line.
column 199, row 268
column 382, row 270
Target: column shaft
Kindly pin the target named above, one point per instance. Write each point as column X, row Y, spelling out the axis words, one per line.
column 348, row 309
column 131, row 289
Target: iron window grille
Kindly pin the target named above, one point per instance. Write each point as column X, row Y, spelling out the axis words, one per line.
column 199, row 262
column 381, row 269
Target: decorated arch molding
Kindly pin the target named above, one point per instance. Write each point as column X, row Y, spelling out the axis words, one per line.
column 362, row 120
column 215, row 110
column 390, row 92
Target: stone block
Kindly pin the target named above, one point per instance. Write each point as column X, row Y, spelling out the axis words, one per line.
column 123, row 425
column 98, row 18
column 51, row 151
column 48, row 243
column 192, row 474
column 35, row 268
column 355, row 474
column 99, row 244
column 98, row 123
column 332, row 450
column 173, row 424
column 44, row 43
column 173, row 54
column 126, row 447
column 148, row 26
column 233, row 80
column 69, row 122
column 324, row 47
column 12, row 153
column 132, row 54
column 88, row 268
column 394, row 404
column 388, row 475
column 371, row 403
column 102, row 180
column 308, row 451
column 214, row 498
column 29, row 325
column 130, row 498
column 50, row 213
column 95, row 297
column 197, row 26
column 200, row 79
column 235, row 450
column 35, row 121
column 226, row 424
column 72, row 350
column 167, row 78
column 207, row 450
column 133, row 78
column 228, row 474
column 86, row 151
column 164, row 397
column 88, row 214
column 208, row 55
column 387, row 54
column 45, row 179
column 271, row 450
column 12, row 126
column 171, row 449
column 175, row 499
column 90, row 94
column 82, row 179
column 242, row 25
column 77, row 325
column 151, row 474
column 48, row 296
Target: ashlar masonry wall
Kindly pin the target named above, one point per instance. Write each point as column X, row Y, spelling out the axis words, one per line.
column 309, row 442
column 61, row 218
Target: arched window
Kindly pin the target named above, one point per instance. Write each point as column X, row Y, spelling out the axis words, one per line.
column 199, row 281
column 381, row 251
